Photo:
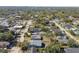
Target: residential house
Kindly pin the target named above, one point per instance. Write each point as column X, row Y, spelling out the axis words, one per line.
column 4, row 44
column 62, row 39
column 36, row 43
column 36, row 37
column 75, row 22
column 18, row 27
column 76, row 31
column 35, row 30
column 71, row 50
column 68, row 26
column 4, row 23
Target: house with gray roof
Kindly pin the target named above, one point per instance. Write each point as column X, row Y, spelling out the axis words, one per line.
column 71, row 50
column 76, row 31
column 62, row 39
column 68, row 26
column 4, row 44
column 35, row 30
column 4, row 23
column 36, row 37
column 36, row 43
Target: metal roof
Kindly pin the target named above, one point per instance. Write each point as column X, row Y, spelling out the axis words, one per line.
column 36, row 30
column 36, row 43
column 36, row 37
column 71, row 50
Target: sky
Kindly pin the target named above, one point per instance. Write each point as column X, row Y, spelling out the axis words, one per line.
column 39, row 2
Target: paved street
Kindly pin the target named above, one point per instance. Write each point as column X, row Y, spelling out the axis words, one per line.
column 68, row 34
